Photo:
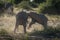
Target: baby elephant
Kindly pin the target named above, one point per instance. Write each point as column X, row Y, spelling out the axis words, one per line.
column 39, row 18
column 21, row 19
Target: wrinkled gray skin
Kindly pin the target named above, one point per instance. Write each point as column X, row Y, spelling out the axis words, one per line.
column 39, row 18
column 21, row 19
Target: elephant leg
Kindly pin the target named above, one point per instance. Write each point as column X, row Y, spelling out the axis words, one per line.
column 24, row 26
column 45, row 25
column 16, row 26
column 31, row 23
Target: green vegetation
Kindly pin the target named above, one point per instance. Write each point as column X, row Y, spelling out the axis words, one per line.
column 42, row 5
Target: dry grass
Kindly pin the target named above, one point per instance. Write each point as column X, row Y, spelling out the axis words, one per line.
column 8, row 23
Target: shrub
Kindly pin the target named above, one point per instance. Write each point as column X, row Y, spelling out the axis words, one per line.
column 41, row 7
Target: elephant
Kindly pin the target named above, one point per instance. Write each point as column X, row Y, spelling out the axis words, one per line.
column 39, row 18
column 21, row 19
